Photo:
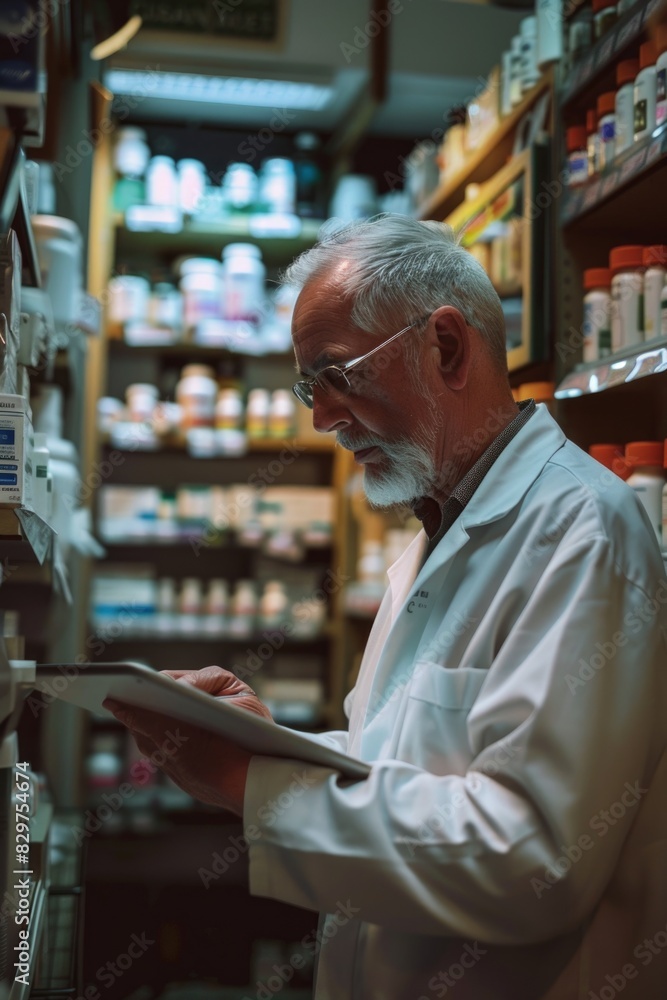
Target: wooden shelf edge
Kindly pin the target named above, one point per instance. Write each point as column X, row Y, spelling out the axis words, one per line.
column 435, row 205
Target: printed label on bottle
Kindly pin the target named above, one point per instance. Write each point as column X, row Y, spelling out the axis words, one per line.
column 661, row 97
column 640, row 115
column 607, row 131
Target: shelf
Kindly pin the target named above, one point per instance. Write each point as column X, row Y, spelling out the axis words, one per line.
column 485, row 161
column 633, row 167
column 209, row 238
column 268, row 445
column 608, row 51
column 190, row 352
column 221, row 540
column 618, row 369
column 253, row 638
column 24, row 537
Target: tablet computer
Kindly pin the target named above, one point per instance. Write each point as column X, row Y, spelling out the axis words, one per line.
column 88, row 684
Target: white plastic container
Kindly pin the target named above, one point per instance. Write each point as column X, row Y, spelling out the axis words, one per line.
column 592, row 141
column 40, row 464
column 229, row 410
column 201, row 283
column 549, row 14
column 624, row 109
column 240, row 186
column 129, row 295
column 60, row 253
column 165, row 307
column 627, row 285
column 597, row 313
column 196, row 393
column 141, row 400
column 243, row 277
column 645, row 91
column 273, row 605
column 282, row 412
column 243, row 609
column 655, row 262
column 661, row 75
column 162, row 187
column 277, row 186
column 606, row 108
column 577, row 155
column 131, row 153
column 257, row 413
column 191, row 185
column 529, row 71
column 647, row 478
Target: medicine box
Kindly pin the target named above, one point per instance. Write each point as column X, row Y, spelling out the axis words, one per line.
column 16, row 446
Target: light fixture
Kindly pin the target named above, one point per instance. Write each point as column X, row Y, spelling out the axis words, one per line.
column 118, row 40
column 238, row 91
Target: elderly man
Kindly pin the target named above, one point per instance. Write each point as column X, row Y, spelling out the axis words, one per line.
column 511, row 840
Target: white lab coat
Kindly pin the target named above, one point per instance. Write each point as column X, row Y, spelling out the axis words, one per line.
column 511, row 841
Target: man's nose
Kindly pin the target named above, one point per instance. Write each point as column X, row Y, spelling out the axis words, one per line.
column 329, row 413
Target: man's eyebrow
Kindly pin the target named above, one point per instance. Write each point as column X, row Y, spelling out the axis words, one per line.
column 322, row 361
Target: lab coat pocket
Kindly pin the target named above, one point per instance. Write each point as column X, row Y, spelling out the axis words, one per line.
column 434, row 733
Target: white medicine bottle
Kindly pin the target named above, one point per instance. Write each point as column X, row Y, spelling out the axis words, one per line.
column 655, row 262
column 645, row 90
column 647, row 478
column 597, row 313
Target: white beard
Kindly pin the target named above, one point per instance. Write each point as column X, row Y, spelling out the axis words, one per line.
column 411, row 474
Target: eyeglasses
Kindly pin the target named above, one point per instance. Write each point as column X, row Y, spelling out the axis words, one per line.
column 333, row 379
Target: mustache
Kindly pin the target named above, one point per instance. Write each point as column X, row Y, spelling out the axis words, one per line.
column 351, row 444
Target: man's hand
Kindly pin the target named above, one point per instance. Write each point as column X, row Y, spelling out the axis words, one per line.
column 208, row 767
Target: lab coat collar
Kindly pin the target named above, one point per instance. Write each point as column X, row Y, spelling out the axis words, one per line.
column 507, row 481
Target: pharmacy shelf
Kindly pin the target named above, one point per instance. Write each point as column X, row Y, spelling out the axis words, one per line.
column 137, row 636
column 595, row 73
column 313, row 446
column 24, row 537
column 188, row 352
column 636, row 173
column 485, row 161
column 218, row 541
column 618, row 369
column 205, row 237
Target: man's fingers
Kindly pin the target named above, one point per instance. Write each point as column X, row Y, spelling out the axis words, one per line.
column 212, row 680
column 139, row 720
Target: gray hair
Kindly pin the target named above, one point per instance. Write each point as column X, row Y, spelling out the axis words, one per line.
column 405, row 268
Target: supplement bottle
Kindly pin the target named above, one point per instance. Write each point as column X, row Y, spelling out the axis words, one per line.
column 626, row 71
column 592, row 141
column 645, row 91
column 243, row 275
column 597, row 313
column 645, row 460
column 606, row 129
column 655, row 262
column 627, row 284
column 257, row 413
column 577, row 155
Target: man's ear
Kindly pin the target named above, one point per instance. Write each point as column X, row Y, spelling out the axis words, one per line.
column 452, row 345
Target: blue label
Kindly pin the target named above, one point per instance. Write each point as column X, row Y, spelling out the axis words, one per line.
column 9, row 468
column 7, row 435
column 6, row 479
column 607, row 131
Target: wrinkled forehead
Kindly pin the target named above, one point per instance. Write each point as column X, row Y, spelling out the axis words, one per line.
column 321, row 325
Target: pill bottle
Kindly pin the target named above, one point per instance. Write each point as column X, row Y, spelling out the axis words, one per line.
column 257, row 413
column 606, row 129
column 165, row 307
column 577, row 155
column 655, row 262
column 529, row 71
column 162, row 182
column 201, row 282
column 229, row 410
column 661, row 75
column 277, row 186
column 196, row 393
column 243, row 608
column 597, row 313
column 243, row 276
column 580, row 35
column 273, row 605
column 592, row 141
column 627, row 284
column 604, row 17
column 647, row 478
column 626, row 71
column 141, row 400
column 645, row 91
column 282, row 411
column 191, row 185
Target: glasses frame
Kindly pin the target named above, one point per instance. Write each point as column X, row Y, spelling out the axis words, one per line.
column 303, row 389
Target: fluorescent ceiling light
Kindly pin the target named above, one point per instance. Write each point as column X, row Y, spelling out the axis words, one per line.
column 114, row 43
column 218, row 89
